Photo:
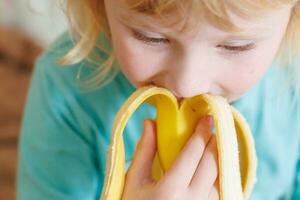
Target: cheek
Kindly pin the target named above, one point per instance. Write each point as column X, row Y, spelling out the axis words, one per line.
column 135, row 61
column 247, row 73
column 242, row 80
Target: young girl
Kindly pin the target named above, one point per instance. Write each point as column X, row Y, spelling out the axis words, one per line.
column 245, row 51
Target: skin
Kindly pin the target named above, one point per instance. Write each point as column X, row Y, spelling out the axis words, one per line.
column 191, row 64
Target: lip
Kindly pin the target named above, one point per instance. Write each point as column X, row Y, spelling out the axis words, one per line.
column 179, row 99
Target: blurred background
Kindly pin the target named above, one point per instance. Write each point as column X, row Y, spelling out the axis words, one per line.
column 27, row 27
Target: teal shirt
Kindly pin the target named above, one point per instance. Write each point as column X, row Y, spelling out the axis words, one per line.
column 66, row 132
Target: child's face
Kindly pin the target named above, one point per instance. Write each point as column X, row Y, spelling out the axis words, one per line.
column 210, row 61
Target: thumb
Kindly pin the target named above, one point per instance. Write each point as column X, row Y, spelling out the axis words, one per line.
column 140, row 170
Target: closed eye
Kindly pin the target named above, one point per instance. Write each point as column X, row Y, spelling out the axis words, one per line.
column 154, row 40
column 238, row 48
column 147, row 39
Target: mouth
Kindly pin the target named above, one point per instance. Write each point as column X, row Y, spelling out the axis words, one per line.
column 179, row 100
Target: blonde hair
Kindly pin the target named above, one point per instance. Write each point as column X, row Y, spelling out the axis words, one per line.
column 88, row 20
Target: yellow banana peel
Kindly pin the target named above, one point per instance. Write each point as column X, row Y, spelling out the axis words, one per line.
column 175, row 123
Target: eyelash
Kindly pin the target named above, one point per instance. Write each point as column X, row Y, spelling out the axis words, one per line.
column 144, row 38
column 233, row 49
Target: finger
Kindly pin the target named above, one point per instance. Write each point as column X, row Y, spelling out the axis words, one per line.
column 139, row 171
column 207, row 170
column 214, row 192
column 183, row 168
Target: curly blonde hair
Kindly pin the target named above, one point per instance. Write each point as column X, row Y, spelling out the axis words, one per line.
column 88, row 21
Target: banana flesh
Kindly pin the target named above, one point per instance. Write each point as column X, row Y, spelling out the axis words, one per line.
column 175, row 123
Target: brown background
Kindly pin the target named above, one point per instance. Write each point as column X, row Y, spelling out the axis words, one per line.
column 17, row 56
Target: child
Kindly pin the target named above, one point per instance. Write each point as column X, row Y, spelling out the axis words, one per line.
column 245, row 51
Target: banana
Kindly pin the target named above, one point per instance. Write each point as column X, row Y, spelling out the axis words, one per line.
column 175, row 123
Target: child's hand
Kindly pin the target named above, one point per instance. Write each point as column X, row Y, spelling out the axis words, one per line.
column 185, row 179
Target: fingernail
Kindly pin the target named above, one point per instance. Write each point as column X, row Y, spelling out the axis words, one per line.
column 209, row 120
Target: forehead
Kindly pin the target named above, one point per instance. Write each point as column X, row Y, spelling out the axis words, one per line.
column 179, row 15
column 143, row 15
column 184, row 16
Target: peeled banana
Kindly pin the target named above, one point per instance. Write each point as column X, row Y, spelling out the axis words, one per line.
column 175, row 123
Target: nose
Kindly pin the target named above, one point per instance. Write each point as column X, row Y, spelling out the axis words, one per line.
column 189, row 74
column 183, row 88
